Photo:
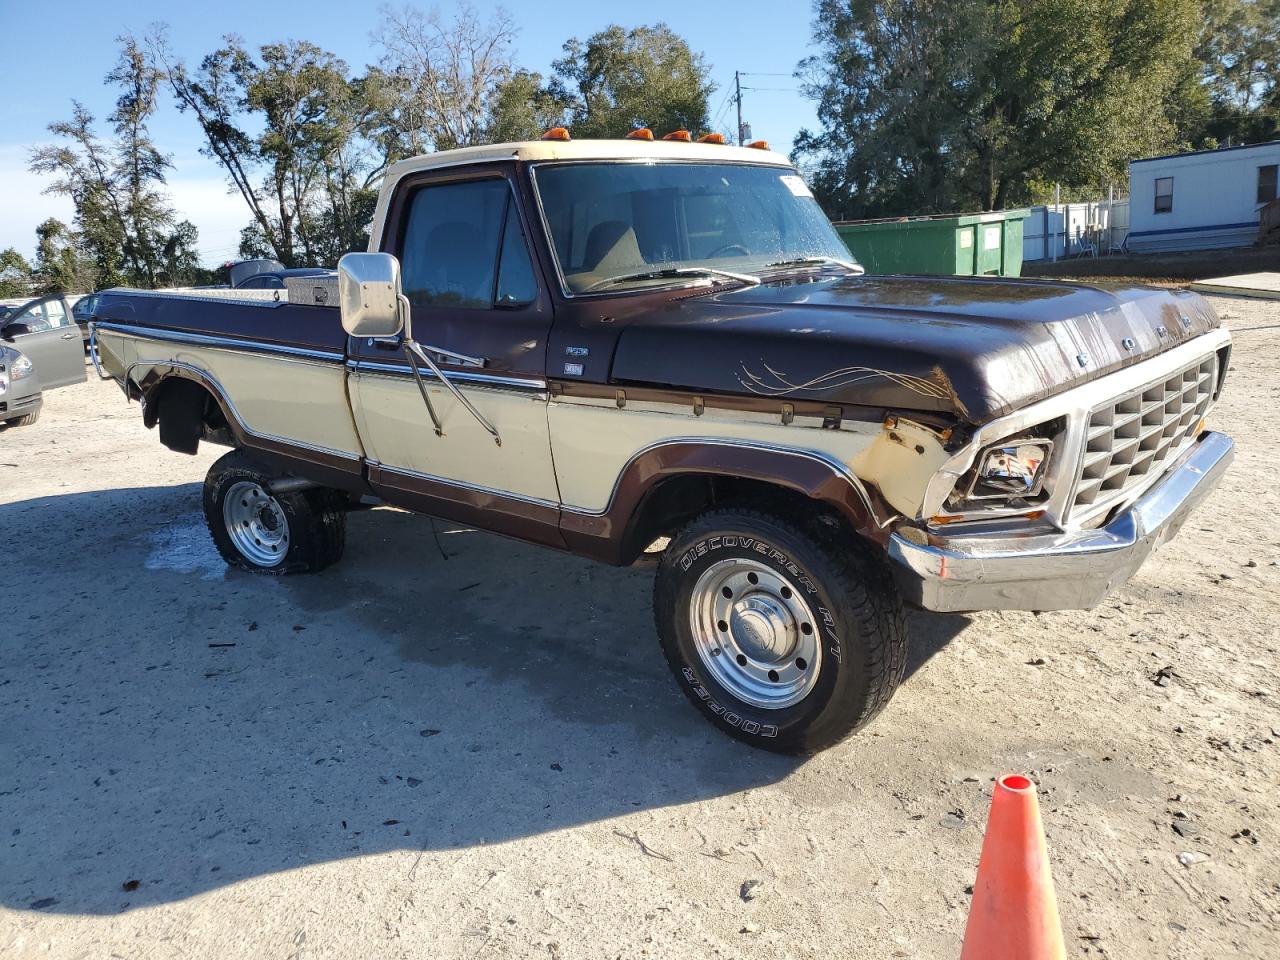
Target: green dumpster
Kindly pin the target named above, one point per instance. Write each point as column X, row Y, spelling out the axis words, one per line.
column 965, row 244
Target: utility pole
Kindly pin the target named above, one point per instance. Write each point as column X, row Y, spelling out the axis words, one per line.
column 737, row 95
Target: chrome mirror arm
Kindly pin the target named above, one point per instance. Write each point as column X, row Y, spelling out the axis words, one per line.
column 409, row 351
column 415, row 349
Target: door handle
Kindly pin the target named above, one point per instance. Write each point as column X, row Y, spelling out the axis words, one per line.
column 67, row 336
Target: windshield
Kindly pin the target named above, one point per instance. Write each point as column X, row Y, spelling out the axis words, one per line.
column 618, row 225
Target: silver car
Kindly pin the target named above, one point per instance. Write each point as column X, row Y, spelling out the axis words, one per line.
column 40, row 348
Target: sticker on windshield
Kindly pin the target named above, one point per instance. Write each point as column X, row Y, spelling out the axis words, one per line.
column 796, row 185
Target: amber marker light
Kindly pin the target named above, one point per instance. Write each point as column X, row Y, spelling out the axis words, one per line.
column 717, row 138
column 557, row 133
column 758, row 145
column 641, row 133
column 681, row 135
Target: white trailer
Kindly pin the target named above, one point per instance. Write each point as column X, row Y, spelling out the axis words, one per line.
column 1201, row 200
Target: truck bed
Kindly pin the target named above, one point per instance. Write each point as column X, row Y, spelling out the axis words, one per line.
column 265, row 316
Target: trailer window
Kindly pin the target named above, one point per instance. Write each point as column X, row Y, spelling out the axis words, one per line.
column 1267, row 182
column 1164, row 194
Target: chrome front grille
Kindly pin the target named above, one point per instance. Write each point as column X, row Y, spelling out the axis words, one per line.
column 1132, row 439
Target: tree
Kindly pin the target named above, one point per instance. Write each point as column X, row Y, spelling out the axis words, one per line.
column 15, row 274
column 930, row 106
column 62, row 265
column 1239, row 53
column 894, row 82
column 524, row 108
column 288, row 96
column 442, row 77
column 123, row 218
column 144, row 212
column 181, row 258
column 619, row 79
column 301, row 142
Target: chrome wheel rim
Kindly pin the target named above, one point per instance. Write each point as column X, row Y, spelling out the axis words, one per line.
column 755, row 633
column 256, row 523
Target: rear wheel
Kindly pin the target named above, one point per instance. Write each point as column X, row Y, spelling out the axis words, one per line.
column 24, row 421
column 787, row 635
column 260, row 531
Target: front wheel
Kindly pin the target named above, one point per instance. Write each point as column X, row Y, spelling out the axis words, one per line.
column 788, row 636
column 273, row 533
column 24, row 421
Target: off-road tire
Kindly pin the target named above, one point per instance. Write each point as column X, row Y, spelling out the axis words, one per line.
column 316, row 519
column 25, row 420
column 848, row 586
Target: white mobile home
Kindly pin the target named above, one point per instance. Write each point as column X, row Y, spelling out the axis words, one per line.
column 1201, row 200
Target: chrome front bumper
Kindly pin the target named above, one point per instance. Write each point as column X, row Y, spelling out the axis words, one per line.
column 1071, row 570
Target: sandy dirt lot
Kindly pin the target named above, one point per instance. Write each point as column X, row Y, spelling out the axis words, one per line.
column 457, row 746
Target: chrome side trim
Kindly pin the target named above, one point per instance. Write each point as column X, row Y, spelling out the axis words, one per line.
column 93, row 351
column 222, row 343
column 231, row 408
column 249, row 298
column 453, row 482
column 830, row 462
column 386, row 368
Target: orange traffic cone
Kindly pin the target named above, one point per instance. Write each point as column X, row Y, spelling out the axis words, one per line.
column 1014, row 914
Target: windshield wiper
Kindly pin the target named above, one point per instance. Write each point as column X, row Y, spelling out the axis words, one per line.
column 817, row 262
column 666, row 272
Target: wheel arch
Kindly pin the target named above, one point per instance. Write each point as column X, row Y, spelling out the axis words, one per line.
column 189, row 405
column 667, row 484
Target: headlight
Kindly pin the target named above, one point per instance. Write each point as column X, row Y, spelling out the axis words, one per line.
column 21, row 367
column 1012, row 469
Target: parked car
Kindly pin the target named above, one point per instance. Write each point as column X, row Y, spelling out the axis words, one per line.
column 41, row 331
column 620, row 347
column 82, row 312
column 20, row 397
column 275, row 279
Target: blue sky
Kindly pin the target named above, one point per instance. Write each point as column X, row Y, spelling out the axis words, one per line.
column 75, row 40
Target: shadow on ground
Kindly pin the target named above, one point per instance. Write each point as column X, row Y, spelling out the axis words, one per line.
column 168, row 722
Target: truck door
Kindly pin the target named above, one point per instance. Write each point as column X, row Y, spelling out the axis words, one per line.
column 45, row 332
column 474, row 291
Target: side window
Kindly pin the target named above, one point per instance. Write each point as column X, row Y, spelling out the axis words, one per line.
column 35, row 318
column 56, row 314
column 1164, row 194
column 449, row 256
column 516, row 286
column 1267, row 182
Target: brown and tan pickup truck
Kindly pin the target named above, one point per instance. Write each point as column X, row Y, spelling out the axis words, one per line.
column 616, row 348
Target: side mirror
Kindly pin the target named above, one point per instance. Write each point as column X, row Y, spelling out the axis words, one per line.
column 369, row 295
column 16, row 330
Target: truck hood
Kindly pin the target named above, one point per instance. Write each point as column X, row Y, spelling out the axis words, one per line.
column 973, row 347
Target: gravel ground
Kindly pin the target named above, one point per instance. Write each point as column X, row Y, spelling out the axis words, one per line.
column 451, row 745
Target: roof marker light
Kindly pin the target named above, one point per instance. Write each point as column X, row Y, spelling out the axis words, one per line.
column 557, row 133
column 681, row 135
column 712, row 138
column 640, row 133
column 759, row 144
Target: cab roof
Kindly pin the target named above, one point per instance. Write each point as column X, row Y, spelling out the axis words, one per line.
column 541, row 150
